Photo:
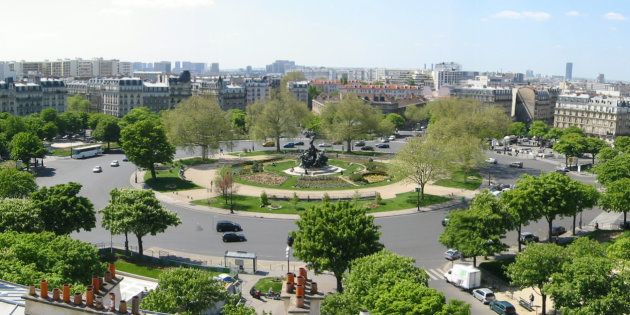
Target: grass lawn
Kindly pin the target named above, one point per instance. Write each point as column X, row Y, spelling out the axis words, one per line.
column 264, row 284
column 459, row 180
column 255, row 153
column 606, row 236
column 252, row 204
column 360, row 153
column 146, row 269
column 194, row 161
column 168, row 180
column 61, row 152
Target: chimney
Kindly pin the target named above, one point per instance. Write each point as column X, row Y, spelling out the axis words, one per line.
column 299, row 296
column 122, row 308
column 108, row 276
column 112, row 268
column 112, row 298
column 301, row 280
column 56, row 295
column 135, row 305
column 303, row 272
column 78, row 298
column 43, row 289
column 313, row 288
column 31, row 290
column 66, row 293
column 89, row 296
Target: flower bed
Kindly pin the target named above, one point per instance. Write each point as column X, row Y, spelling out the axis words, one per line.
column 265, row 178
column 375, row 177
column 321, row 182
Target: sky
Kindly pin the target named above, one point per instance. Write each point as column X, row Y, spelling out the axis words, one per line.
column 482, row 35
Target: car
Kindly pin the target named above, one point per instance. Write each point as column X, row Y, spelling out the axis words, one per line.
column 125, row 159
column 544, row 155
column 359, row 143
column 269, row 144
column 445, row 221
column 289, row 145
column 114, row 163
column 516, row 164
column 452, row 254
column 382, row 146
column 234, row 237
column 97, row 169
column 384, row 140
column 299, row 143
column 562, row 169
column 484, row 295
column 224, row 226
column 491, row 160
column 502, row 307
column 225, row 278
column 392, row 138
column 367, row 148
column 528, row 237
column 324, row 145
column 558, row 230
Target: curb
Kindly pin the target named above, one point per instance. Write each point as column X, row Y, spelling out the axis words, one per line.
column 131, row 275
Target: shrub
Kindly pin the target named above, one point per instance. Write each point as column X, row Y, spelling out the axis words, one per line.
column 377, row 198
column 356, row 177
column 326, row 198
column 264, row 200
column 257, row 167
column 295, row 200
column 356, row 196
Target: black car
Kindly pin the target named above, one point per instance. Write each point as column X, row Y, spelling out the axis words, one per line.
column 359, row 143
column 367, row 148
column 382, row 146
column 558, row 230
column 299, row 143
column 516, row 164
column 224, row 226
column 289, row 145
column 234, row 237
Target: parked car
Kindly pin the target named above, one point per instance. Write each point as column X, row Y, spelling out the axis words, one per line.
column 392, row 138
column 97, row 169
column 114, row 163
column 289, row 145
column 382, row 146
column 299, row 143
column 269, row 144
column 528, row 237
column 558, row 230
column 562, row 169
column 367, row 148
column 324, row 145
column 502, row 308
column 516, row 164
column 384, row 140
column 484, row 295
column 224, row 225
column 452, row 254
column 359, row 143
column 125, row 159
column 445, row 221
column 491, row 160
column 234, row 237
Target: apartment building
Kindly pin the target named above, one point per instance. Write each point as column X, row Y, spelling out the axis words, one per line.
column 600, row 116
column 256, row 90
column 121, row 95
column 499, row 97
column 24, row 98
column 299, row 89
column 530, row 103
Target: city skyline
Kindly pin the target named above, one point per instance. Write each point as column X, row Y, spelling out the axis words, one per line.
column 486, row 36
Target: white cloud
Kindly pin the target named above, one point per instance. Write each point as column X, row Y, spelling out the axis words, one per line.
column 163, row 4
column 516, row 15
column 614, row 16
column 114, row 11
column 573, row 13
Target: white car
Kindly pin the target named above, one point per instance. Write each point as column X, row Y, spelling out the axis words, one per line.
column 452, row 254
column 392, row 138
column 324, row 145
column 491, row 160
column 97, row 169
column 114, row 163
column 484, row 295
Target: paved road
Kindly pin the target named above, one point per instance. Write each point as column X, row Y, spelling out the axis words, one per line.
column 410, row 235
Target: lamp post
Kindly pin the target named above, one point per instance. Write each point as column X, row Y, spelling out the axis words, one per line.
column 288, row 250
column 418, row 203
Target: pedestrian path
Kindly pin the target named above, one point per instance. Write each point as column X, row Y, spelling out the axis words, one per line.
column 608, row 220
column 435, row 274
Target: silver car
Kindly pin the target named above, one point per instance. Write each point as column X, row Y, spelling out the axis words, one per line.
column 452, row 254
column 484, row 295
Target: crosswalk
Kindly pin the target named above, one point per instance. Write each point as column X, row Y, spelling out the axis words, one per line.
column 435, row 274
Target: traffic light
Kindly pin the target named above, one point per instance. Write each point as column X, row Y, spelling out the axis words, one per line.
column 290, row 241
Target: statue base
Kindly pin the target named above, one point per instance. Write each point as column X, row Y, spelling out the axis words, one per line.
column 326, row 170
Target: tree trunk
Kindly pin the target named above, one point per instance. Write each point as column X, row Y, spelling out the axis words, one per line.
column 593, row 158
column 107, row 146
column 278, row 144
column 549, row 222
column 566, row 160
column 204, row 152
column 349, row 142
column 126, row 242
column 544, row 303
column 573, row 228
column 475, row 261
column 339, row 284
column 140, row 249
column 625, row 213
column 518, row 237
column 152, row 168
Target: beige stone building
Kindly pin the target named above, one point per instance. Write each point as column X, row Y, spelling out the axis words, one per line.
column 600, row 116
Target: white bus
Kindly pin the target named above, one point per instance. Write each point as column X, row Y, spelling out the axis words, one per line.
column 86, row 151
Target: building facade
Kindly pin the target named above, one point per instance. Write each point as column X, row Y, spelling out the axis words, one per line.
column 529, row 104
column 499, row 97
column 600, row 116
column 299, row 89
column 568, row 73
column 25, row 98
column 256, row 90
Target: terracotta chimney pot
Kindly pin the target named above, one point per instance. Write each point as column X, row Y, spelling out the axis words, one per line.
column 56, row 294
column 135, row 305
column 313, row 288
column 122, row 308
column 303, row 272
column 89, row 296
column 112, row 298
column 66, row 293
column 112, row 268
column 43, row 289
column 299, row 291
column 301, row 280
column 78, row 298
column 108, row 276
column 95, row 283
column 290, row 277
column 299, row 301
column 31, row 290
column 290, row 286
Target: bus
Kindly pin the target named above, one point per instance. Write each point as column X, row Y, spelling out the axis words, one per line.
column 86, row 151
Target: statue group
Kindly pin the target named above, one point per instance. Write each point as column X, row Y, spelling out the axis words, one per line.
column 313, row 158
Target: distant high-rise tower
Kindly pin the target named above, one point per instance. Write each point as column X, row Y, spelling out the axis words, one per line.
column 529, row 73
column 214, row 68
column 601, row 78
column 568, row 75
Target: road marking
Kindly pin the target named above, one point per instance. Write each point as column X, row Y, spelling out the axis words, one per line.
column 435, row 274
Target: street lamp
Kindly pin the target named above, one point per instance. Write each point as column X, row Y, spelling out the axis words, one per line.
column 288, row 250
column 418, row 202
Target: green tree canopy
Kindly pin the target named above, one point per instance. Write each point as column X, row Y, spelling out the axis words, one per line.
column 94, row 118
column 11, row 125
column 238, row 120
column 107, row 130
column 606, row 154
column 518, row 129
column 571, row 145
column 538, row 129
column 622, row 143
column 331, row 235
column 340, row 304
column 63, row 211
column 137, row 114
column 593, row 146
column 535, row 266
column 516, row 203
column 49, row 131
column 116, row 215
column 407, row 297
column 616, row 198
column 240, row 309
column 197, row 122
column 19, row 215
column 15, row 183
column 349, row 119
column 554, row 134
column 281, row 116
column 184, row 291
column 48, row 115
column 78, row 103
column 145, row 144
column 465, row 153
column 614, row 169
column 72, row 122
column 25, row 146
column 396, row 119
column 478, row 230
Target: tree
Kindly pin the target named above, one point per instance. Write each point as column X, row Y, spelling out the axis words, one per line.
column 407, row 297
column 49, row 131
column 34, row 125
column 593, row 146
column 197, row 122
column 538, row 129
column 415, row 113
column 25, row 146
column 331, row 235
column 554, row 134
column 465, row 153
column 107, row 130
column 340, row 304
column 518, row 129
column 78, row 103
column 571, row 145
column 145, row 144
column 616, row 198
column 420, row 161
column 184, row 291
column 535, row 266
column 614, row 169
column 349, row 119
column 314, row 123
column 116, row 215
column 477, row 230
column 517, row 204
column 622, row 143
column 238, row 120
column 240, row 309
column 94, row 118
column 291, row 76
column 12, row 125
column 606, row 154
column 224, row 182
column 62, row 210
column 138, row 211
column 15, row 183
column 71, row 123
column 396, row 119
column 313, row 92
column 48, row 115
column 584, row 197
column 281, row 116
column 137, row 114
column 19, row 215
column 573, row 129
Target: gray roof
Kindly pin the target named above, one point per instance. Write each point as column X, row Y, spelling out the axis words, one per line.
column 11, row 302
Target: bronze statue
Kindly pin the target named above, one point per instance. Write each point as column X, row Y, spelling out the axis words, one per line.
column 312, row 158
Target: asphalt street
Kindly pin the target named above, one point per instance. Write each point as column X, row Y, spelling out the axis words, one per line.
column 413, row 235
